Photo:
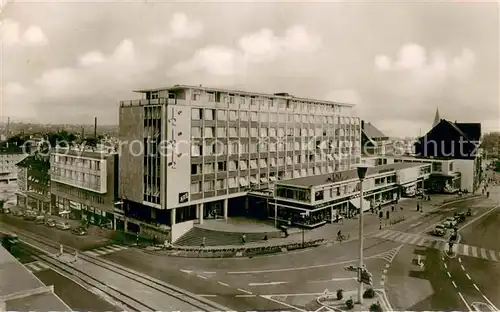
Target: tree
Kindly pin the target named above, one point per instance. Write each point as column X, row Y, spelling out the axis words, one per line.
column 491, row 142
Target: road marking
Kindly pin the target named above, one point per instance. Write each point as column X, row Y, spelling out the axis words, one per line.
column 207, row 295
column 449, row 275
column 201, row 276
column 223, row 284
column 477, row 218
column 465, row 302
column 332, row 280
column 406, row 239
column 415, row 224
column 269, row 297
column 454, row 285
column 186, row 271
column 266, row 284
column 483, row 254
column 246, row 296
column 460, row 260
column 245, row 291
column 477, row 288
column 474, row 251
column 468, row 276
column 387, row 265
column 414, row 240
column 493, row 256
column 445, row 266
column 463, row 269
column 385, row 271
column 91, row 253
column 421, row 242
column 208, row 272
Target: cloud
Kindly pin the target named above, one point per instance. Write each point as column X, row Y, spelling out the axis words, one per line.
column 180, row 27
column 417, row 60
column 32, row 36
column 259, row 47
column 91, row 58
column 16, row 102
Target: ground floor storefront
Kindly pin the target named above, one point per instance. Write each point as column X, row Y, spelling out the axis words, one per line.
column 33, row 201
column 73, row 210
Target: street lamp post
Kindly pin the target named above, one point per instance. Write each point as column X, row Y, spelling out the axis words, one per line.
column 361, row 175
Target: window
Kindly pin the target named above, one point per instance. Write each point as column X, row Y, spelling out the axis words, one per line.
column 232, row 165
column 273, row 117
column 281, row 132
column 208, row 186
column 263, row 147
column 254, row 116
column 232, row 182
column 243, row 100
column 195, row 187
column 243, row 132
column 196, row 169
column 263, row 162
column 243, row 165
column 244, row 116
column 281, row 161
column 208, row 168
column 209, row 114
column 233, row 115
column 253, row 180
column 253, row 132
column 221, row 132
column 263, row 133
column 272, row 132
column 253, row 148
column 220, row 148
column 195, row 132
column 196, row 150
column 233, row 148
column 233, row 133
column 253, row 164
column 195, row 96
column 220, row 184
column 221, row 166
column 264, row 117
column 209, row 132
column 272, row 162
column 209, row 149
column 221, row 114
column 211, row 96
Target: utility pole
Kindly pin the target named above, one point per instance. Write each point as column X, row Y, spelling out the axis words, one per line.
column 361, row 175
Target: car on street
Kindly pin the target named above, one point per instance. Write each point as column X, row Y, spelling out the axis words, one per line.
column 19, row 213
column 29, row 216
column 460, row 217
column 50, row 223
column 439, row 230
column 62, row 225
column 79, row 230
column 6, row 210
column 40, row 220
column 450, row 222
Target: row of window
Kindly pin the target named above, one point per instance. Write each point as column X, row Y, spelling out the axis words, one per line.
column 234, row 165
column 220, row 148
column 79, row 193
column 262, row 102
column 76, row 178
column 234, row 132
column 235, row 115
column 76, row 162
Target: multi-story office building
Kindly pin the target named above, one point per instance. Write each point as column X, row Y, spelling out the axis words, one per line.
column 84, row 185
column 34, row 183
column 189, row 152
column 8, row 170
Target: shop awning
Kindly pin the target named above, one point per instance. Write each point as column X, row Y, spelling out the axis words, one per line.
column 356, row 203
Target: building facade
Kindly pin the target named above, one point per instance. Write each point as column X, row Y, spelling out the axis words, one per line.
column 313, row 201
column 34, row 183
column 84, row 185
column 8, row 169
column 220, row 144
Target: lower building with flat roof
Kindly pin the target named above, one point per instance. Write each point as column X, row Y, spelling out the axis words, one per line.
column 315, row 200
column 21, row 290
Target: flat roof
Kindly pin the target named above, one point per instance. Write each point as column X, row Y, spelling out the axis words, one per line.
column 281, row 94
column 345, row 175
column 96, row 154
column 16, row 279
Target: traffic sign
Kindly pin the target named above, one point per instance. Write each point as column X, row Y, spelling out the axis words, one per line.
column 366, row 277
column 351, row 268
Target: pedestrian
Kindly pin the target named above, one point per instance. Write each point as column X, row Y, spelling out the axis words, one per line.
column 392, row 208
column 243, row 238
column 203, row 242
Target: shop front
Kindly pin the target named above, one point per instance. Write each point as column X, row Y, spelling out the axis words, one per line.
column 37, row 202
column 95, row 216
column 21, row 199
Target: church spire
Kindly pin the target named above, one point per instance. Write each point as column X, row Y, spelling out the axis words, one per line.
column 437, row 118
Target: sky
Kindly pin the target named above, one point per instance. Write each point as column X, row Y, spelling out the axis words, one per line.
column 66, row 62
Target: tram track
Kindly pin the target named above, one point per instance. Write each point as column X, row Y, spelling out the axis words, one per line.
column 129, row 302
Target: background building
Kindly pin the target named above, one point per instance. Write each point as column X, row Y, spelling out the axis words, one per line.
column 8, row 169
column 84, row 185
column 374, row 142
column 34, row 183
column 228, row 143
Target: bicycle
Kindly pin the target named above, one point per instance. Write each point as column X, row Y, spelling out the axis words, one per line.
column 341, row 238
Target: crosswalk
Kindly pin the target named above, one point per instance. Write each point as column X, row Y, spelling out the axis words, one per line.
column 36, row 266
column 105, row 250
column 439, row 243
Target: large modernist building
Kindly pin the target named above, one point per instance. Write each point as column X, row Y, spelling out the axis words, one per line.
column 84, row 185
column 189, row 152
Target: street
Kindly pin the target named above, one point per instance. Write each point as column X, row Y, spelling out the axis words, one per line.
column 293, row 280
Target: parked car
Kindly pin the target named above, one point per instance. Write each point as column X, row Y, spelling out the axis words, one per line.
column 19, row 213
column 450, row 222
column 460, row 217
column 80, row 231
column 62, row 225
column 50, row 223
column 439, row 230
column 6, row 210
column 40, row 220
column 29, row 216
